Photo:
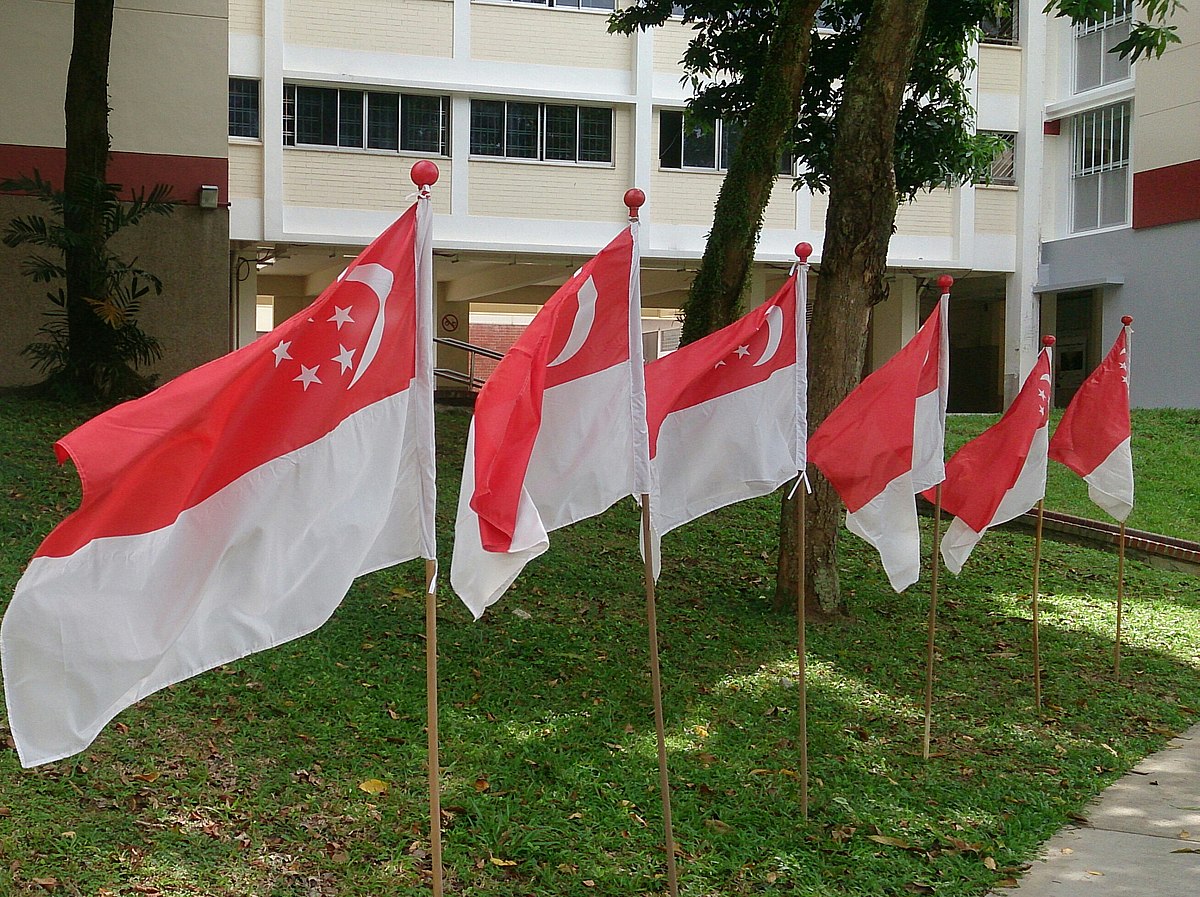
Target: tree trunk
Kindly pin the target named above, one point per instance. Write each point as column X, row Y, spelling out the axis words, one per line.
column 858, row 228
column 715, row 297
column 87, row 148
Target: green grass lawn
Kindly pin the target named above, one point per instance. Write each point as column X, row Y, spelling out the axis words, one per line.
column 246, row 780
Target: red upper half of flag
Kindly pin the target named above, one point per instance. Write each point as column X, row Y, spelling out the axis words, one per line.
column 867, row 440
column 146, row 461
column 1097, row 419
column 584, row 328
column 746, row 352
column 983, row 470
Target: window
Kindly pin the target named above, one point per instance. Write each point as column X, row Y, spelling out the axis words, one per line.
column 541, row 131
column 570, row 4
column 1003, row 171
column 365, row 119
column 1100, row 168
column 687, row 143
column 243, row 107
column 1002, row 26
column 1095, row 65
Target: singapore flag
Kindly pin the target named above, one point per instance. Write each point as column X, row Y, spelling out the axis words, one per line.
column 229, row 510
column 559, row 432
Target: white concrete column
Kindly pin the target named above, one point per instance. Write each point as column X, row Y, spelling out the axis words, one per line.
column 643, row 118
column 272, row 119
column 1022, row 316
column 460, row 153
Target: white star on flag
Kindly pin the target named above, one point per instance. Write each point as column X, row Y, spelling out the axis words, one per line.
column 342, row 316
column 281, row 351
column 308, row 376
column 345, row 357
column 743, row 351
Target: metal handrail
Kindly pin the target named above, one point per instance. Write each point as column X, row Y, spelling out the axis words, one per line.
column 469, row 379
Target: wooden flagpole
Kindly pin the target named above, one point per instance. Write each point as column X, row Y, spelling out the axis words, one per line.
column 1037, row 569
column 656, row 686
column 431, row 711
column 933, row 596
column 801, row 657
column 1126, row 321
column 1048, row 343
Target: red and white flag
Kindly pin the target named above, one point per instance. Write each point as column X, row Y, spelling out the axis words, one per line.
column 229, row 510
column 559, row 432
column 1001, row 473
column 1093, row 436
column 886, row 442
column 728, row 413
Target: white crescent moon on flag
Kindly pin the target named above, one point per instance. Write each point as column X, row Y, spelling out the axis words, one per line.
column 582, row 325
column 380, row 280
column 774, row 334
column 1045, row 377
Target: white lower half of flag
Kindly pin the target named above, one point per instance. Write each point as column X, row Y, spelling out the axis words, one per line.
column 929, row 442
column 1110, row 484
column 581, row 464
column 265, row 560
column 1030, row 487
column 738, row 446
column 889, row 522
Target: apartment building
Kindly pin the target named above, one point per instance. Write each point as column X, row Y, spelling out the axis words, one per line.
column 167, row 94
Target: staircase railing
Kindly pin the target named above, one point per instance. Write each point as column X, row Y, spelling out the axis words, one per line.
column 469, row 379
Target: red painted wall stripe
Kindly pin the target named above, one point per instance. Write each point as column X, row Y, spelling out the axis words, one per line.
column 186, row 174
column 1167, row 195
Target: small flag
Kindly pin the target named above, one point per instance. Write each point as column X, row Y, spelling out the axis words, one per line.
column 230, row 510
column 1093, row 436
column 1001, row 473
column 559, row 432
column 886, row 442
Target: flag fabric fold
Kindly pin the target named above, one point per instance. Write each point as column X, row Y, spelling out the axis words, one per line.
column 230, row 510
column 728, row 414
column 886, row 442
column 559, row 432
column 1093, row 437
column 1001, row 473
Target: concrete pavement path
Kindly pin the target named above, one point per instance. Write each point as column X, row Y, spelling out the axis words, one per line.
column 1142, row 840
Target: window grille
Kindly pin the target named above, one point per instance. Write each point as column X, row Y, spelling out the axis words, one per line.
column 1100, row 168
column 539, row 131
column 358, row 119
column 1002, row 27
column 1003, row 170
column 243, row 107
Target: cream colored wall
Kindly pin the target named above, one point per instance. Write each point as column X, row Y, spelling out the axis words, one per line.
column 44, row 47
column 246, row 16
column 670, row 41
column 547, row 37
column 684, row 197
column 817, row 211
column 340, row 180
column 507, row 189
column 246, row 170
column 418, row 27
column 999, row 68
column 1166, row 124
column 996, row 210
column 163, row 101
column 929, row 215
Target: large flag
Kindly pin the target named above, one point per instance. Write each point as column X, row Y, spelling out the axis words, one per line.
column 1001, row 473
column 728, row 413
column 559, row 432
column 229, row 510
column 1093, row 436
column 886, row 442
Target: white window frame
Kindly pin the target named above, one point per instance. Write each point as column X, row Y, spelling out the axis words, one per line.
column 1100, row 145
column 1103, row 33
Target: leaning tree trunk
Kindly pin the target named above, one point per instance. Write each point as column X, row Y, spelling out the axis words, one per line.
column 858, row 228
column 87, row 148
column 716, row 293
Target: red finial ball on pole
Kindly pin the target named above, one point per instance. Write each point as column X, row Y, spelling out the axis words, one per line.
column 1127, row 320
column 424, row 174
column 944, row 283
column 634, row 200
column 1048, row 341
column 803, row 251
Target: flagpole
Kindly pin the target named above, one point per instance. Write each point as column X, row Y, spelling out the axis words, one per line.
column 656, row 686
column 431, row 711
column 933, row 596
column 1048, row 342
column 803, row 251
column 1126, row 320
